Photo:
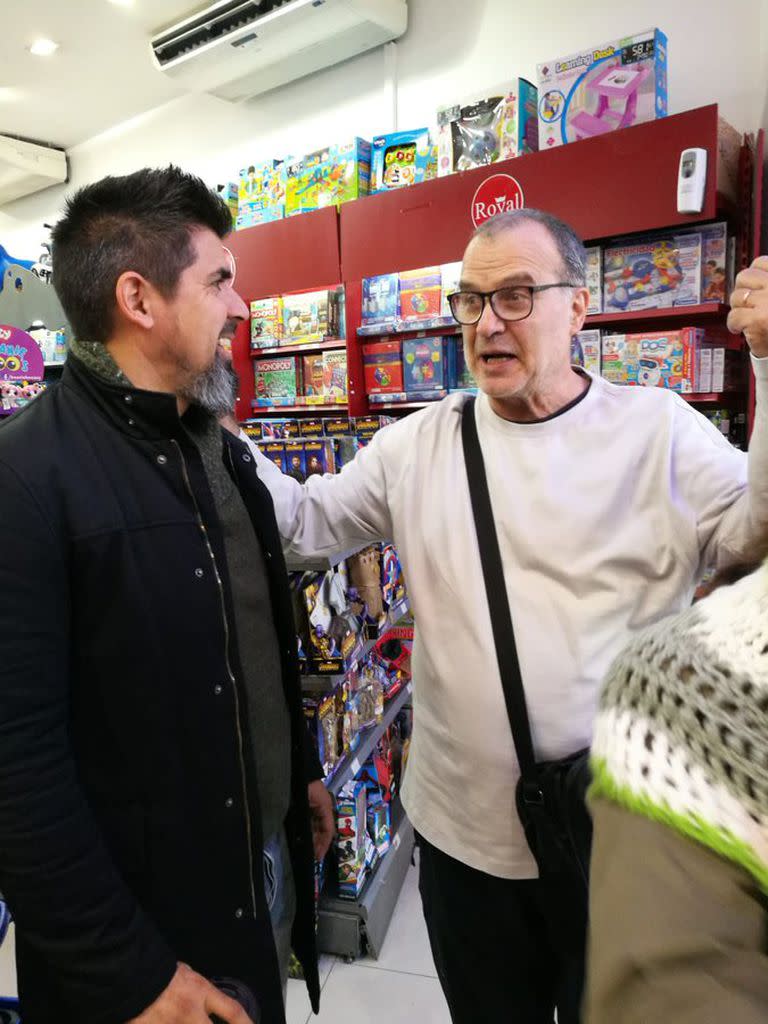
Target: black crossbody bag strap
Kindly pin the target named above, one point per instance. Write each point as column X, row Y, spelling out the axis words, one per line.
column 498, row 605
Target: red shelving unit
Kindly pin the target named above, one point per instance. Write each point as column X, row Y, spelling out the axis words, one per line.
column 680, row 314
column 284, row 410
column 623, row 182
column 330, row 344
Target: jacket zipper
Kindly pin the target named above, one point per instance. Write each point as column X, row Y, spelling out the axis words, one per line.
column 204, row 531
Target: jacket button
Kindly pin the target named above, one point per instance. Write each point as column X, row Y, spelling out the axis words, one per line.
column 246, row 457
column 199, row 573
column 229, row 802
column 162, row 459
column 128, row 399
column 131, row 423
column 218, row 688
column 268, row 554
column 239, row 913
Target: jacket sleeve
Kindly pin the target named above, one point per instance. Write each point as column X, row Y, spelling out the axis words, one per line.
column 727, row 492
column 73, row 911
column 677, row 933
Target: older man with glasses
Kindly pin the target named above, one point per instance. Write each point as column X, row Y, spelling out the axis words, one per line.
column 608, row 503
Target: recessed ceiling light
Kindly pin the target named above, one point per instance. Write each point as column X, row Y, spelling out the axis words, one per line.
column 43, row 47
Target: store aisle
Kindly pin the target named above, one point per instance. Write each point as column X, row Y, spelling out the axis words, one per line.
column 401, row 986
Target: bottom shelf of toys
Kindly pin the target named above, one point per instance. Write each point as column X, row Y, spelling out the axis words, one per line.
column 351, row 928
column 365, row 870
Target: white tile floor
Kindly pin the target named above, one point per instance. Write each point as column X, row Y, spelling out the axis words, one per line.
column 401, row 986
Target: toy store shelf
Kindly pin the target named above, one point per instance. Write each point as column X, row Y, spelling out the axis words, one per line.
column 394, row 406
column 363, row 649
column 444, row 323
column 55, row 364
column 346, row 926
column 330, row 344
column 719, row 398
column 706, row 311
column 431, row 223
column 352, row 764
column 269, row 410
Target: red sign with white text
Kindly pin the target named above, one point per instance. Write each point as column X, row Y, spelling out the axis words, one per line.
column 501, row 193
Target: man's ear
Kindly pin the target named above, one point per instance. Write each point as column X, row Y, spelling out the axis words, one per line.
column 136, row 299
column 579, row 307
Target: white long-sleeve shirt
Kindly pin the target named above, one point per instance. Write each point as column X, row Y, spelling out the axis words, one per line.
column 606, row 515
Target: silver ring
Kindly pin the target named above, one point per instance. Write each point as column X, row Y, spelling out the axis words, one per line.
column 747, row 293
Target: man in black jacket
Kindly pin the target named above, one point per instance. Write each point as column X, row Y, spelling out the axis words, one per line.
column 154, row 816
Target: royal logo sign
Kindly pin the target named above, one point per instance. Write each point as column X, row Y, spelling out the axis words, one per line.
column 501, row 193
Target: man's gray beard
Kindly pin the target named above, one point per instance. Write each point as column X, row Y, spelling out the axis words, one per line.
column 215, row 390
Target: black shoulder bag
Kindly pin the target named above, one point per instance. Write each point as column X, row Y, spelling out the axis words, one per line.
column 551, row 795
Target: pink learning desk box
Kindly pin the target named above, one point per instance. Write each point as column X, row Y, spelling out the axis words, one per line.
column 617, row 85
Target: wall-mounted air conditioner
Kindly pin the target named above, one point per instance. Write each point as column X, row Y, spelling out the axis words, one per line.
column 238, row 48
column 27, row 167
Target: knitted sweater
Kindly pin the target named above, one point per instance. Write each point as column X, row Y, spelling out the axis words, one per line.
column 682, row 733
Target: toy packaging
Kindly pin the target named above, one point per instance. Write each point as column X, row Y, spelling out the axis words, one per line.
column 351, row 832
column 276, row 381
column 616, row 85
column 450, row 275
column 328, row 177
column 275, row 429
column 585, row 351
column 333, row 630
column 401, row 159
column 310, row 428
column 367, row 426
column 381, row 298
column 266, row 322
column 335, row 426
column 424, row 365
column 335, row 386
column 312, row 374
column 420, row 293
column 320, row 713
column 379, row 828
column 652, row 273
column 306, row 317
column 383, row 367
column 295, row 461
column 261, row 194
column 716, row 267
column 319, row 457
column 459, row 375
column 594, row 279
column 275, row 452
column 666, row 359
column 481, row 132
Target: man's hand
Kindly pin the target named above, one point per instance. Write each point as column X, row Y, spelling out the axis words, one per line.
column 749, row 307
column 190, row 999
column 323, row 824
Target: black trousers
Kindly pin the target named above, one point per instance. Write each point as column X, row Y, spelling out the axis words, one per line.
column 506, row 952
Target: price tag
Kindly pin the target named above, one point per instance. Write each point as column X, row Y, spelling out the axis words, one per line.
column 396, row 842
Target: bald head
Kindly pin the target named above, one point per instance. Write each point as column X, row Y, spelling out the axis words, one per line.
column 567, row 242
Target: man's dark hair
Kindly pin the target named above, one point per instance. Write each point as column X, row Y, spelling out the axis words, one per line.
column 569, row 245
column 141, row 222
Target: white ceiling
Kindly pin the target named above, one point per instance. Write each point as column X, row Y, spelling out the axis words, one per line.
column 102, row 74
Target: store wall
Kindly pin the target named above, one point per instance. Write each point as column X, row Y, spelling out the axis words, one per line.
column 453, row 49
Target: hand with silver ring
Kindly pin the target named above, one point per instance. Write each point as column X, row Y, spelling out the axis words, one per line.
column 749, row 307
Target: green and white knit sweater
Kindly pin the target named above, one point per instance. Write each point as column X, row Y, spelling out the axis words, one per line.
column 682, row 732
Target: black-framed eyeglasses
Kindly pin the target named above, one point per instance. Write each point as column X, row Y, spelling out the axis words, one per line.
column 515, row 302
